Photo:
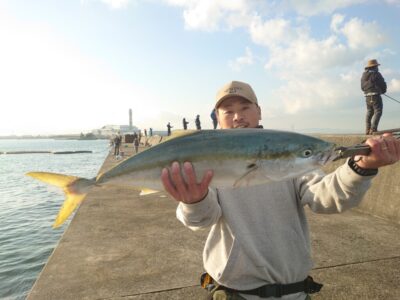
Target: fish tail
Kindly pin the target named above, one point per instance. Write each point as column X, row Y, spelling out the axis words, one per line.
column 75, row 189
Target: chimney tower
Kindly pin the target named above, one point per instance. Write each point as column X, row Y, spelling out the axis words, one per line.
column 130, row 118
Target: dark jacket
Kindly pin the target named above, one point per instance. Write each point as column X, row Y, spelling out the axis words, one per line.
column 373, row 82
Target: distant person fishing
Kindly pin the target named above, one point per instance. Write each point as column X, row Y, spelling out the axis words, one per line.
column 214, row 119
column 169, row 126
column 373, row 85
column 197, row 122
column 136, row 143
column 184, row 123
column 117, row 144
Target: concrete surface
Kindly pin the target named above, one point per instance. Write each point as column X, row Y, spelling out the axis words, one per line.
column 122, row 246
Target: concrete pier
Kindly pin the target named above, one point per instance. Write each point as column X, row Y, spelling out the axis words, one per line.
column 122, row 246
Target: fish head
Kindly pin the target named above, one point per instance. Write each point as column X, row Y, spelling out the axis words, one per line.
column 294, row 156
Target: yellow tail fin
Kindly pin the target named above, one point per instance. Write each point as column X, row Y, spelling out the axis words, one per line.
column 69, row 205
column 75, row 189
column 59, row 180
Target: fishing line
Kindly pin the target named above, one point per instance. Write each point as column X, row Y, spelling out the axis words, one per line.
column 391, row 98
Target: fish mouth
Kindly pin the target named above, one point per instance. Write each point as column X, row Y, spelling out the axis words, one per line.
column 327, row 156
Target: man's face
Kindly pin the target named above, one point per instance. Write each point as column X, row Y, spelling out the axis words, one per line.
column 237, row 112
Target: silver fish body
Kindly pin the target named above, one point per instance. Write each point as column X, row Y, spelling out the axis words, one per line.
column 239, row 157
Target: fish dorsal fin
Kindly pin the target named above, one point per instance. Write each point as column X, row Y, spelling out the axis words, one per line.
column 181, row 132
column 146, row 191
column 59, row 180
column 245, row 179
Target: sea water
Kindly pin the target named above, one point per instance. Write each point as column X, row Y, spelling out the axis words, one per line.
column 28, row 207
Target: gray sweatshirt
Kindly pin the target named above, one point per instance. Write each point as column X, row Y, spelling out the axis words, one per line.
column 259, row 235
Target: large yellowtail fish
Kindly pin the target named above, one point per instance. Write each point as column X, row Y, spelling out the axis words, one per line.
column 239, row 157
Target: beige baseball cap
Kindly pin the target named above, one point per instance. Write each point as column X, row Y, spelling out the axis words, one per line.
column 236, row 88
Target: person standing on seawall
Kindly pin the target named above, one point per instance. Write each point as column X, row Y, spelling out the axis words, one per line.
column 214, row 118
column 373, row 85
column 117, row 144
column 185, row 124
column 197, row 122
column 169, row 126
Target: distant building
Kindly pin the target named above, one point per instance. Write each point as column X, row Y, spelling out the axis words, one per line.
column 110, row 130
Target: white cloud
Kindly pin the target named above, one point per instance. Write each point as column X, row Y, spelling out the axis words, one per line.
column 209, row 15
column 240, row 62
column 113, row 4
column 386, row 72
column 315, row 7
column 394, row 86
column 393, row 2
column 363, row 35
column 205, row 15
column 314, row 93
column 306, row 55
column 337, row 20
column 271, row 33
column 293, row 48
column 350, row 76
column 116, row 4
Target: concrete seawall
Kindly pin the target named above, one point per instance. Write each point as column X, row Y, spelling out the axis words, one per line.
column 122, row 246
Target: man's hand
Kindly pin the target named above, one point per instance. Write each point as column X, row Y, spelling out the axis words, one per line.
column 185, row 191
column 385, row 150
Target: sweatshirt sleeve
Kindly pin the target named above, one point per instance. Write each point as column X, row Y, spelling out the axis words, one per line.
column 332, row 193
column 202, row 214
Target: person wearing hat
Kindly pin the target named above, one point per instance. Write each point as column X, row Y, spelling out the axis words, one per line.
column 373, row 85
column 259, row 243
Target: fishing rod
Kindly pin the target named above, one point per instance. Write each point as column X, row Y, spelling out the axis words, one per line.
column 361, row 149
column 391, row 98
column 395, row 131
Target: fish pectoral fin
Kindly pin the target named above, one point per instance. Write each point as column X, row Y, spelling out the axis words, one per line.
column 69, row 205
column 146, row 191
column 245, row 179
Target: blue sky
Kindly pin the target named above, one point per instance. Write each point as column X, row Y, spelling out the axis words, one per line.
column 72, row 66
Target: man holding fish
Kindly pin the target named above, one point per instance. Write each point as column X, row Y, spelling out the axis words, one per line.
column 259, row 243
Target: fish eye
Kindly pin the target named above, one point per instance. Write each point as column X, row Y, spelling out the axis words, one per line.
column 307, row 153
